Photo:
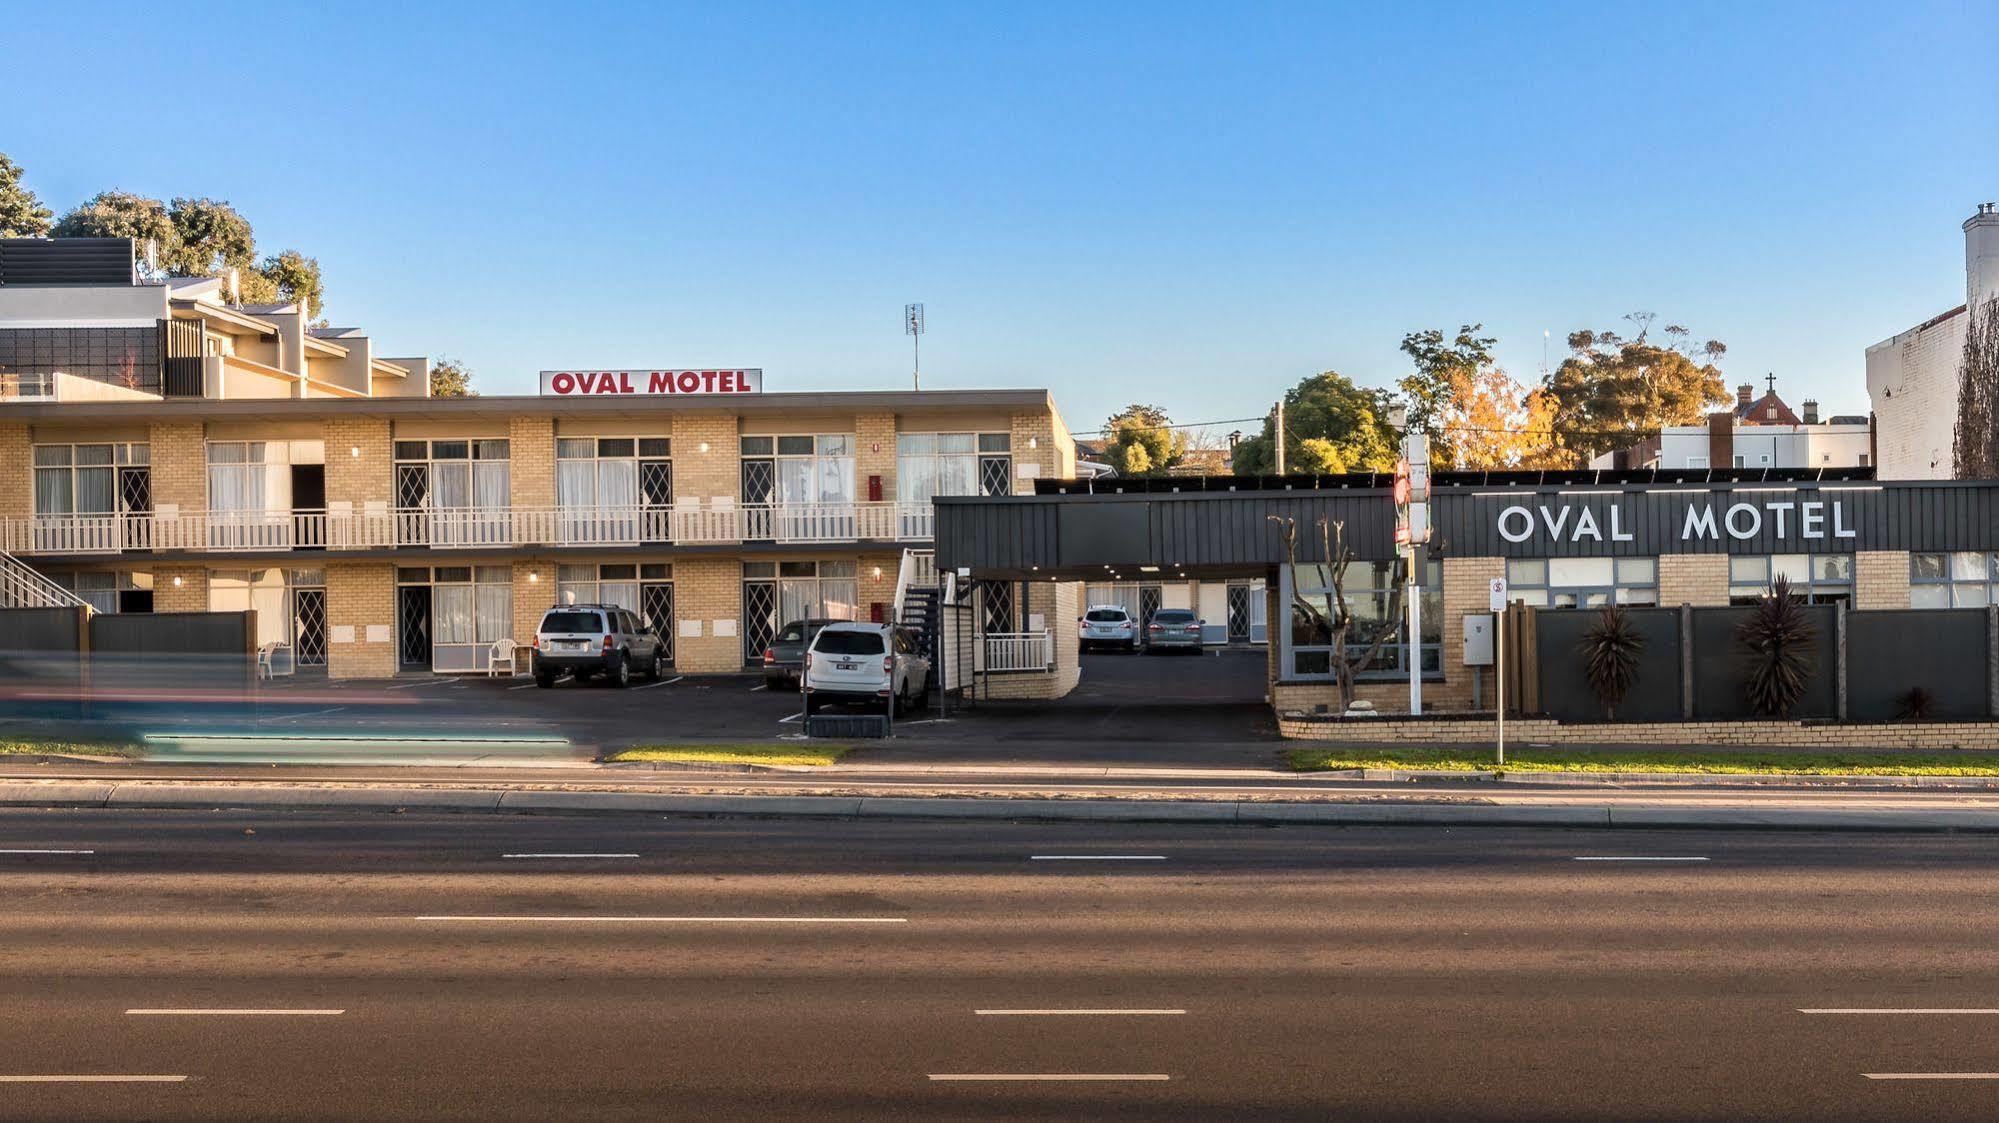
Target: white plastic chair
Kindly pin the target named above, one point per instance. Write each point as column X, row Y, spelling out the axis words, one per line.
column 502, row 651
column 274, row 660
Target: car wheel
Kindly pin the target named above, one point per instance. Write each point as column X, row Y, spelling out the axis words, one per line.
column 653, row 673
column 620, row 673
column 544, row 680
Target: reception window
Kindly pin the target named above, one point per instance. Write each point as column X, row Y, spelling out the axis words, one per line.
column 1583, row 582
column 1960, row 580
column 1818, row 578
column 1370, row 594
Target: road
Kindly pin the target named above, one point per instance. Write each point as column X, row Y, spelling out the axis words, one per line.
column 752, row 970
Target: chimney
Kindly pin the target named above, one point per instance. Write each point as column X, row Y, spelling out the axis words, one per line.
column 1742, row 394
column 1721, row 439
column 1981, row 255
column 1811, row 414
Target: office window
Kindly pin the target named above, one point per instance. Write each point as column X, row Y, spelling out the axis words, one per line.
column 1818, row 578
column 1961, row 580
column 1583, row 582
column 1370, row 593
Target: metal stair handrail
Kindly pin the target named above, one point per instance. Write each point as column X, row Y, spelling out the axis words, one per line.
column 22, row 586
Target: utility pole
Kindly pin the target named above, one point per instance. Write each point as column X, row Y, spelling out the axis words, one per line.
column 1280, row 436
column 912, row 326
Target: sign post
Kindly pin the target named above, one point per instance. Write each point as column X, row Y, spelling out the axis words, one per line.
column 1497, row 602
column 1412, row 531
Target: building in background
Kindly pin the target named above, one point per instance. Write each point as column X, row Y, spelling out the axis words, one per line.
column 164, row 450
column 1912, row 377
column 1757, row 432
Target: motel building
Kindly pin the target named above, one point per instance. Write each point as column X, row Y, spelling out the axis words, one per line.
column 164, row 450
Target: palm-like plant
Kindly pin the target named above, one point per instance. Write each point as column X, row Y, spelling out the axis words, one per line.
column 1780, row 642
column 1609, row 650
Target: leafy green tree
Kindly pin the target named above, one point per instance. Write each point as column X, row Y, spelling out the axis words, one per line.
column 1139, row 441
column 1612, row 392
column 121, row 214
column 1350, row 420
column 21, row 214
column 1445, row 376
column 297, row 280
column 211, row 237
column 450, row 378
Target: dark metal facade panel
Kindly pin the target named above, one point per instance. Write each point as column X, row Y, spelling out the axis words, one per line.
column 66, row 261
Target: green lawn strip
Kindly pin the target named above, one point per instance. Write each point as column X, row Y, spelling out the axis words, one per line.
column 1806, row 763
column 67, row 748
column 736, row 754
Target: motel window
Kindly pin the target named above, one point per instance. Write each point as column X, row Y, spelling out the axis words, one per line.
column 452, row 474
column 471, row 606
column 1583, row 582
column 931, row 464
column 807, row 589
column 599, row 584
column 1818, row 578
column 815, row 469
column 614, row 471
column 108, row 592
column 84, row 479
column 1960, row 580
column 1369, row 596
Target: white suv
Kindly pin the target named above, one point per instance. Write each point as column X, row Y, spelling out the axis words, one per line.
column 1108, row 625
column 871, row 663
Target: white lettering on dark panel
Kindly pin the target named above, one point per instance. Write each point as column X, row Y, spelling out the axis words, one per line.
column 1785, row 519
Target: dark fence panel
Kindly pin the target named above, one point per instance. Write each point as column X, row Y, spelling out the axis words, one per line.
column 222, row 635
column 1721, row 665
column 1565, row 690
column 1890, row 653
column 41, row 629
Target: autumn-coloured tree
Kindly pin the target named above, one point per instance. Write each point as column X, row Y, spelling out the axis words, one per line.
column 1470, row 408
column 1612, row 392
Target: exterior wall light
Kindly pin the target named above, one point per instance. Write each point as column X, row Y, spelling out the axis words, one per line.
column 176, row 580
column 534, row 578
column 354, row 451
column 704, row 446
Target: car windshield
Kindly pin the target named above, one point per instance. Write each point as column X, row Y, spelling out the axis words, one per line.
column 1106, row 615
column 571, row 622
column 1173, row 616
column 848, row 643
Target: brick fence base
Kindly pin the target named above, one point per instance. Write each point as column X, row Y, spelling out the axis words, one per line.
column 1731, row 734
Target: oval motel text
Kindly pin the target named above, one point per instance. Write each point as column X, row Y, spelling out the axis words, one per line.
column 1817, row 519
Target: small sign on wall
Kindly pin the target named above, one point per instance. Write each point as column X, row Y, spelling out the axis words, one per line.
column 378, row 633
column 725, row 627
column 690, row 629
column 343, row 633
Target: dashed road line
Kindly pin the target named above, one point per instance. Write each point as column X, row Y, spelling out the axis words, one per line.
column 1075, row 1013
column 1097, row 858
column 673, row 919
column 569, row 855
column 48, row 851
column 1931, row 1075
column 237, row 1013
column 93, row 1078
column 1056, row 1076
column 1907, row 1010
column 1635, row 858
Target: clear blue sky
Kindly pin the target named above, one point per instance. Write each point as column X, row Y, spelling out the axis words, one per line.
column 1195, row 206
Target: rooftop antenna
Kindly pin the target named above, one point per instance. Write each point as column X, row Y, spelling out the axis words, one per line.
column 1544, row 354
column 912, row 326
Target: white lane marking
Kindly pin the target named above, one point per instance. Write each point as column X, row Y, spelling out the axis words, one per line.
column 1049, row 1076
column 93, row 1078
column 662, row 682
column 48, row 851
column 1073, row 1013
column 754, row 689
column 414, row 685
column 1907, row 1010
column 1097, row 858
column 308, row 713
column 684, row 919
column 1637, row 858
column 569, row 855
column 238, row 1013
column 793, row 717
column 1931, row 1075
column 559, row 681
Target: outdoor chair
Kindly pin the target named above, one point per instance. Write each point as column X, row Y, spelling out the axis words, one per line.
column 502, row 652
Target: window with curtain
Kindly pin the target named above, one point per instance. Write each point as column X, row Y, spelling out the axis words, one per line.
column 1960, row 580
column 264, row 591
column 822, row 590
column 471, row 606
column 613, row 584
column 457, row 490
column 78, row 479
column 1818, row 578
column 816, row 469
column 1583, row 582
column 928, row 465
column 597, row 485
column 236, row 476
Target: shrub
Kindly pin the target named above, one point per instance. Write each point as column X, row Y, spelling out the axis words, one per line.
column 1916, row 704
column 1609, row 651
column 1780, row 642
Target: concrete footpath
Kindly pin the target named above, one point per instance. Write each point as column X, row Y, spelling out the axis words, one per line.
column 1358, row 805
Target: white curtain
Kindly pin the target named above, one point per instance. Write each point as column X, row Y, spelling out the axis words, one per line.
column 797, row 600
column 490, row 484
column 837, row 597
column 576, row 483
column 794, row 481
column 617, row 483
column 624, row 594
column 54, row 492
column 496, row 612
column 836, row 479
column 452, row 609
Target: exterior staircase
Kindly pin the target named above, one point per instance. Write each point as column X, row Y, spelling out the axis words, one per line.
column 22, row 587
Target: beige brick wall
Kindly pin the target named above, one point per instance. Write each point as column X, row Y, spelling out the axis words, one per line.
column 1035, row 444
column 875, row 583
column 1059, row 603
column 359, row 479
column 1881, row 579
column 707, row 590
column 17, row 489
column 1697, row 579
column 874, row 453
column 191, row 595
column 1467, row 590
column 180, row 465
column 705, row 475
column 534, row 593
column 531, row 462
column 359, row 594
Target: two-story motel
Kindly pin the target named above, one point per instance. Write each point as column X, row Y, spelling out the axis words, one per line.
column 164, row 450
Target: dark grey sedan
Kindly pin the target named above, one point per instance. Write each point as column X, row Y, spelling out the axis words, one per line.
column 785, row 657
column 1173, row 629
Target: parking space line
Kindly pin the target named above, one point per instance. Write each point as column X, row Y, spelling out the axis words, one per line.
column 93, row 1078
column 1931, row 1075
column 1097, row 858
column 246, row 1013
column 664, row 682
column 1908, row 1010
column 526, row 685
column 414, row 685
column 569, row 855
column 1057, row 1076
column 792, row 718
column 759, row 686
column 676, row 919
column 1634, row 858
column 1075, row 1013
column 48, row 851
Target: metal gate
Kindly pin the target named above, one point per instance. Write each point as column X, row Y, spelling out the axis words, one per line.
column 759, row 619
column 413, row 631
column 1238, row 613
column 995, row 475
column 1148, row 607
column 656, row 603
column 656, row 497
column 309, row 627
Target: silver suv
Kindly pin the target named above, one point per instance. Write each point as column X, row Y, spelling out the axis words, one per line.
column 585, row 639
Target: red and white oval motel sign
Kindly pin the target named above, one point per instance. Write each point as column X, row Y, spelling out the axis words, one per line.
column 641, row 383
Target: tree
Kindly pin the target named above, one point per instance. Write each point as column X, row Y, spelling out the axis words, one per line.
column 1975, row 447
column 1351, row 420
column 21, row 214
column 120, row 214
column 1610, row 649
column 1139, row 442
column 1778, row 639
column 1444, row 375
column 296, row 279
column 210, row 238
column 1612, row 392
column 450, row 378
column 1337, row 621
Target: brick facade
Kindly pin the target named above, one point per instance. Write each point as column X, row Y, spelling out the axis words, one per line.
column 706, row 475
column 190, row 594
column 1039, row 451
column 360, row 594
column 179, row 456
column 874, row 453
column 531, row 461
column 707, row 590
column 359, row 480
column 1881, row 579
column 1700, row 580
column 17, row 476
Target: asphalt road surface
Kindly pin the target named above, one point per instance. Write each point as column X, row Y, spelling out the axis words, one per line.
column 426, row 967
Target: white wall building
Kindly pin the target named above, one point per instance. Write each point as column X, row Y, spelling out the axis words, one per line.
column 1912, row 377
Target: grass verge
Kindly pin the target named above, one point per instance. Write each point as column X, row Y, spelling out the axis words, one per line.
column 67, row 748
column 736, row 754
column 1477, row 758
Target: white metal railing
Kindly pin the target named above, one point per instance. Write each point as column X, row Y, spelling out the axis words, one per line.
column 22, row 587
column 468, row 527
column 1019, row 651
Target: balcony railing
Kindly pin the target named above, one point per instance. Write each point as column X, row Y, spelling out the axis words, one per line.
column 466, row 528
column 1019, row 651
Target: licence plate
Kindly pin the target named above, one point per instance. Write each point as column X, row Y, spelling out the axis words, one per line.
column 848, row 666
